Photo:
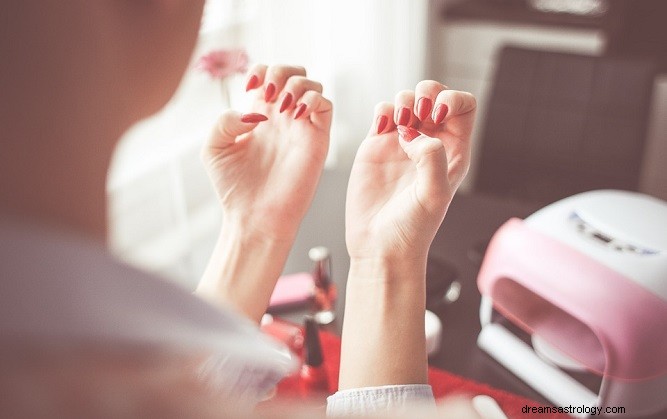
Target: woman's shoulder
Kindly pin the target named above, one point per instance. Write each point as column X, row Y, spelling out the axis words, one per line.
column 60, row 287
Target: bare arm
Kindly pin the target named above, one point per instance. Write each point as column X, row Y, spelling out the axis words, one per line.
column 401, row 184
column 265, row 167
column 383, row 337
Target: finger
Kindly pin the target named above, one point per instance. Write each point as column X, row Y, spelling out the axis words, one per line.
column 276, row 77
column 451, row 103
column 430, row 158
column 425, row 95
column 383, row 119
column 255, row 77
column 403, row 104
column 232, row 124
column 295, row 87
column 316, row 107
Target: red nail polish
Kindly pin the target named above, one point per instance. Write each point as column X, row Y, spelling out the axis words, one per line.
column 381, row 123
column 440, row 113
column 424, row 106
column 403, row 116
column 287, row 100
column 253, row 82
column 300, row 110
column 270, row 90
column 252, row 118
column 407, row 133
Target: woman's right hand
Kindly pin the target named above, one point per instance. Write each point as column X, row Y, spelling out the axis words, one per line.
column 265, row 165
column 400, row 188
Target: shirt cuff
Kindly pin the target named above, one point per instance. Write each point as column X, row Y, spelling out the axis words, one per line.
column 370, row 400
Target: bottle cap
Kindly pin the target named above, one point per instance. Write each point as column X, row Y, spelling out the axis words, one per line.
column 319, row 253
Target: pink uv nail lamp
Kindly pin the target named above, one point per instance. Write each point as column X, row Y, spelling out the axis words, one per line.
column 586, row 278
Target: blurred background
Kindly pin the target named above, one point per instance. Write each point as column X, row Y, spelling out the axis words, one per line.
column 572, row 96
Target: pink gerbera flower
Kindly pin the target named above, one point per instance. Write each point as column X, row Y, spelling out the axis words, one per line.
column 223, row 62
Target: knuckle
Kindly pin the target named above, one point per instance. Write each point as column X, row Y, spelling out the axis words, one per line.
column 326, row 102
column 427, row 84
column 380, row 107
column 309, row 95
column 294, row 82
column 300, row 69
column 278, row 71
column 305, row 84
column 257, row 68
column 405, row 96
column 471, row 99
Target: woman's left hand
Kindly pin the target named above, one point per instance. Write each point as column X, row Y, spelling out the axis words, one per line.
column 265, row 172
column 400, row 187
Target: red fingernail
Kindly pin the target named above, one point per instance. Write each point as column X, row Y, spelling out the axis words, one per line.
column 440, row 113
column 253, row 82
column 424, row 106
column 407, row 133
column 403, row 116
column 270, row 90
column 382, row 123
column 300, row 110
column 287, row 100
column 251, row 118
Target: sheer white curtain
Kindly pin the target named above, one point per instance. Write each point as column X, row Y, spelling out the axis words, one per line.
column 362, row 51
column 163, row 214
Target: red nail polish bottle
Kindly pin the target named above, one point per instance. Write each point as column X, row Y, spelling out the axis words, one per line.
column 324, row 298
column 314, row 380
column 290, row 335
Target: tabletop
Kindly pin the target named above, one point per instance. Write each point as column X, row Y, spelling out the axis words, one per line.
column 470, row 223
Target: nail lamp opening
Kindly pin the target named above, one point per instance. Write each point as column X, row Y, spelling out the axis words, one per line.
column 586, row 277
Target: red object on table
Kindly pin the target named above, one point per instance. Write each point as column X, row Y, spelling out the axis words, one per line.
column 444, row 383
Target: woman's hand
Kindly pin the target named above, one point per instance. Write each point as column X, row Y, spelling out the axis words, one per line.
column 265, row 166
column 265, row 171
column 399, row 190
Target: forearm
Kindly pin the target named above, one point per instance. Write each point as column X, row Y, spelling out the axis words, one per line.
column 243, row 270
column 383, row 334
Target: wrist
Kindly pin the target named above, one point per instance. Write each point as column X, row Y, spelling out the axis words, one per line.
column 387, row 269
column 387, row 284
column 383, row 332
column 254, row 229
column 244, row 268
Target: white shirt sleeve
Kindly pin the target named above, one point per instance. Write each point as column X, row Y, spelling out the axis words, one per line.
column 372, row 400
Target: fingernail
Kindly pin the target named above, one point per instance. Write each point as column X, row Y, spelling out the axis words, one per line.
column 253, row 82
column 287, row 100
column 381, row 123
column 440, row 113
column 300, row 110
column 251, row 118
column 270, row 90
column 403, row 116
column 407, row 133
column 424, row 107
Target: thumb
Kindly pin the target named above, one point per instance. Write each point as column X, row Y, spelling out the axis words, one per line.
column 230, row 125
column 430, row 158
